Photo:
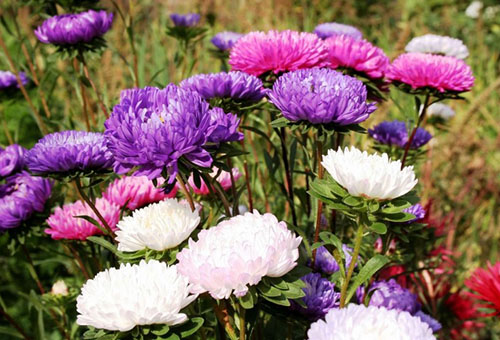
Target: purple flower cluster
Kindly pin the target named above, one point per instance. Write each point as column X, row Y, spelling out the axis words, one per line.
column 326, row 263
column 321, row 96
column 20, row 197
column 433, row 323
column 70, row 29
column 12, row 159
column 329, row 29
column 320, row 297
column 396, row 133
column 225, row 40
column 8, row 80
column 185, row 20
column 416, row 210
column 70, row 152
column 152, row 128
column 238, row 86
column 225, row 127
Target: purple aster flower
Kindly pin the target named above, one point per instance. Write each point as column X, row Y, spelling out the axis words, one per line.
column 8, row 80
column 70, row 152
column 433, row 323
column 20, row 197
column 320, row 297
column 416, row 210
column 238, row 86
column 330, row 29
column 396, row 133
column 70, row 29
column 225, row 40
column 391, row 295
column 321, row 96
column 225, row 127
column 12, row 160
column 153, row 128
column 326, row 263
column 185, row 20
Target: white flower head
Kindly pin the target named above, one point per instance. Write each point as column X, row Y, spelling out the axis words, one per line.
column 373, row 176
column 59, row 288
column 144, row 294
column 440, row 110
column 375, row 323
column 438, row 44
column 474, row 9
column 237, row 253
column 158, row 226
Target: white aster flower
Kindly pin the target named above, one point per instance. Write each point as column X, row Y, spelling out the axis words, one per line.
column 237, row 253
column 357, row 322
column 438, row 44
column 144, row 294
column 158, row 226
column 474, row 9
column 440, row 110
column 59, row 288
column 373, row 176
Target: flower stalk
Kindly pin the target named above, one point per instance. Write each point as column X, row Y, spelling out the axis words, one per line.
column 357, row 246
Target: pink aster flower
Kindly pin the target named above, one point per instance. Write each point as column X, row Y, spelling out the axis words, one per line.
column 64, row 224
column 138, row 191
column 421, row 70
column 224, row 179
column 260, row 52
column 357, row 54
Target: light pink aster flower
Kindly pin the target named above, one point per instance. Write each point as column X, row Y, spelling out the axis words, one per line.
column 224, row 179
column 260, row 52
column 64, row 224
column 237, row 253
column 356, row 54
column 435, row 71
column 137, row 190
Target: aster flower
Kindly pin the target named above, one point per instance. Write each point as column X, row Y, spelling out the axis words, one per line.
column 71, row 29
column 433, row 323
column 326, row 263
column 238, row 253
column 321, row 96
column 136, row 192
column 417, row 210
column 473, row 11
column 63, row 223
column 437, row 44
column 8, row 80
column 224, row 179
column 12, row 159
column 59, row 288
column 20, row 197
column 151, row 129
column 441, row 73
column 396, row 133
column 185, row 20
column 238, row 86
column 440, row 110
column 391, row 295
column 159, row 226
column 356, row 54
column 260, row 52
column 374, row 176
column 132, row 295
column 329, row 29
column 320, row 296
column 485, row 284
column 69, row 153
column 225, row 40
column 359, row 322
column 225, row 127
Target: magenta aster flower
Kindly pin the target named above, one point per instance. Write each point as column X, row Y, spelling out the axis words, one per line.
column 438, row 72
column 396, row 133
column 151, row 129
column 259, row 52
column 8, row 80
column 12, row 159
column 358, row 55
column 70, row 29
column 185, row 20
column 63, row 223
column 136, row 192
column 225, row 40
column 330, row 29
column 224, row 179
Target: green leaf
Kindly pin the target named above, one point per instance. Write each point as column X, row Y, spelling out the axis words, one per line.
column 378, row 227
column 352, row 201
column 193, row 325
column 249, row 299
column 369, row 269
column 269, row 291
column 278, row 300
column 279, row 122
column 93, row 221
column 294, row 292
column 104, row 243
column 161, row 331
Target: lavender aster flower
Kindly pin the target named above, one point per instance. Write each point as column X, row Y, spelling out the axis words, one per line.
column 328, row 29
column 326, row 263
column 20, row 197
column 321, row 96
column 71, row 29
column 12, row 159
column 225, row 40
column 391, row 295
column 416, row 210
column 185, row 20
column 320, row 297
column 238, row 86
column 396, row 133
column 8, row 80
column 69, row 153
column 433, row 323
column 152, row 128
column 225, row 127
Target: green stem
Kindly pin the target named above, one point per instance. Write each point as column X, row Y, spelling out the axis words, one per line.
column 242, row 323
column 92, row 84
column 186, row 192
column 414, row 132
column 319, row 210
column 350, row 270
column 13, row 323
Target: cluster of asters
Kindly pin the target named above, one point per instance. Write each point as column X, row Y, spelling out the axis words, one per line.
column 156, row 137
